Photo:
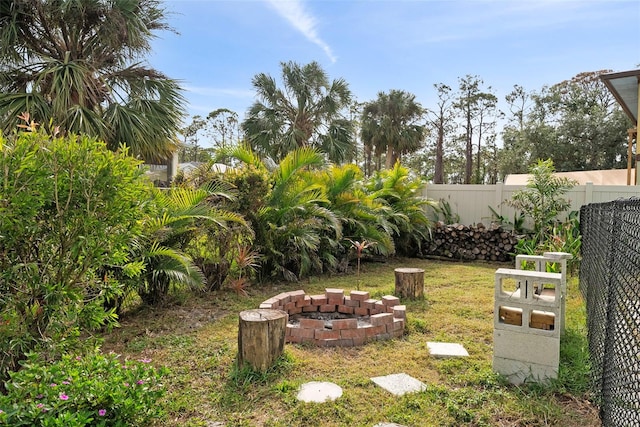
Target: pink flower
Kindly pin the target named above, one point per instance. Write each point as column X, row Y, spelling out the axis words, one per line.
column 78, row 358
column 40, row 405
column 66, row 382
column 64, row 396
column 53, row 385
column 102, row 412
column 145, row 360
column 140, row 382
column 126, row 384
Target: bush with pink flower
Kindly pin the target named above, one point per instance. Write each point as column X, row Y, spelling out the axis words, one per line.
column 90, row 390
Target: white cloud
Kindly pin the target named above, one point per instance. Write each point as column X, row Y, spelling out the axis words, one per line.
column 294, row 12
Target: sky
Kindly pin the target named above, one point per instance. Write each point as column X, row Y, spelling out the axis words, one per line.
column 377, row 45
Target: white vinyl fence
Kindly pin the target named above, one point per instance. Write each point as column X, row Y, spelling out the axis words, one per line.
column 472, row 202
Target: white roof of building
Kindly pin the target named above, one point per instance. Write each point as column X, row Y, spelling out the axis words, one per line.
column 597, row 177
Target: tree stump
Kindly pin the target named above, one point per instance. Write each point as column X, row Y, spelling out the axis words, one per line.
column 409, row 283
column 261, row 337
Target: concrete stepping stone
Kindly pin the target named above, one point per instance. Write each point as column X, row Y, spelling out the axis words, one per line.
column 446, row 349
column 399, row 384
column 388, row 425
column 317, row 391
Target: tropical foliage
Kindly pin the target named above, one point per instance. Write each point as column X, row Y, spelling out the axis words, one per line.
column 391, row 126
column 69, row 207
column 64, row 64
column 307, row 221
column 541, row 200
column 307, row 111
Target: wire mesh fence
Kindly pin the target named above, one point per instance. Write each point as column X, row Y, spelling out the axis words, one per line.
column 610, row 284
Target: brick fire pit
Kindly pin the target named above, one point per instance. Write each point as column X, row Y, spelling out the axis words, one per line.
column 338, row 320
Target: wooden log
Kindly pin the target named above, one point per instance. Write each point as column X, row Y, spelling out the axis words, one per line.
column 409, row 282
column 261, row 337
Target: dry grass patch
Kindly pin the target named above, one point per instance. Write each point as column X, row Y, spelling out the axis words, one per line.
column 197, row 340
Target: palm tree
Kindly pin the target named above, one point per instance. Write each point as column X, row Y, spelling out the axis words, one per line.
column 405, row 207
column 390, row 125
column 77, row 64
column 309, row 111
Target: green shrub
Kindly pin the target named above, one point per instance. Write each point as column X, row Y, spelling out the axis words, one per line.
column 68, row 207
column 88, row 390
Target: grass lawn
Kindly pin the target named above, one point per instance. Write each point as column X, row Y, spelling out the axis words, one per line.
column 197, row 340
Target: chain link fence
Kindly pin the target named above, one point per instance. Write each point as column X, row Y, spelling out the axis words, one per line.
column 610, row 284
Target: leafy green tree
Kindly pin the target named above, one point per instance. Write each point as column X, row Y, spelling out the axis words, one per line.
column 576, row 123
column 224, row 127
column 295, row 218
column 441, row 119
column 405, row 208
column 79, row 63
column 69, row 207
column 391, row 125
column 178, row 217
column 476, row 108
column 362, row 216
column 515, row 156
column 308, row 111
column 541, row 199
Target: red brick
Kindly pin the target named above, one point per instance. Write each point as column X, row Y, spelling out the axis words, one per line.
column 345, row 342
column 345, row 323
column 381, row 319
column 351, row 302
column 345, row 310
column 359, row 311
column 398, row 334
column 283, row 298
column 295, row 310
column 334, row 293
column 373, row 311
column 293, row 340
column 359, row 341
column 370, row 303
column 374, row 330
column 310, row 308
column 326, row 334
column 269, row 305
column 353, row 333
column 311, row 323
column 359, row 295
column 400, row 311
column 327, row 308
column 327, row 343
column 318, row 299
column 390, row 300
column 305, row 302
column 297, row 295
column 380, row 307
column 335, row 301
column 303, row 333
column 398, row 324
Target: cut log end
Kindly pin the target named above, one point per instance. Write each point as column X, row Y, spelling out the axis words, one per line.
column 409, row 282
column 261, row 337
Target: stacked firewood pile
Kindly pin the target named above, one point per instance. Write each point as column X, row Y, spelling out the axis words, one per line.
column 477, row 242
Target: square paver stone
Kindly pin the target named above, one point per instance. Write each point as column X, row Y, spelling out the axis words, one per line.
column 399, row 384
column 446, row 349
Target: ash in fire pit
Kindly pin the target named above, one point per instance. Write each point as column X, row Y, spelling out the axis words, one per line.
column 335, row 319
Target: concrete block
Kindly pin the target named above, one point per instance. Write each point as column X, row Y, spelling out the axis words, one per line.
column 518, row 372
column 526, row 347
